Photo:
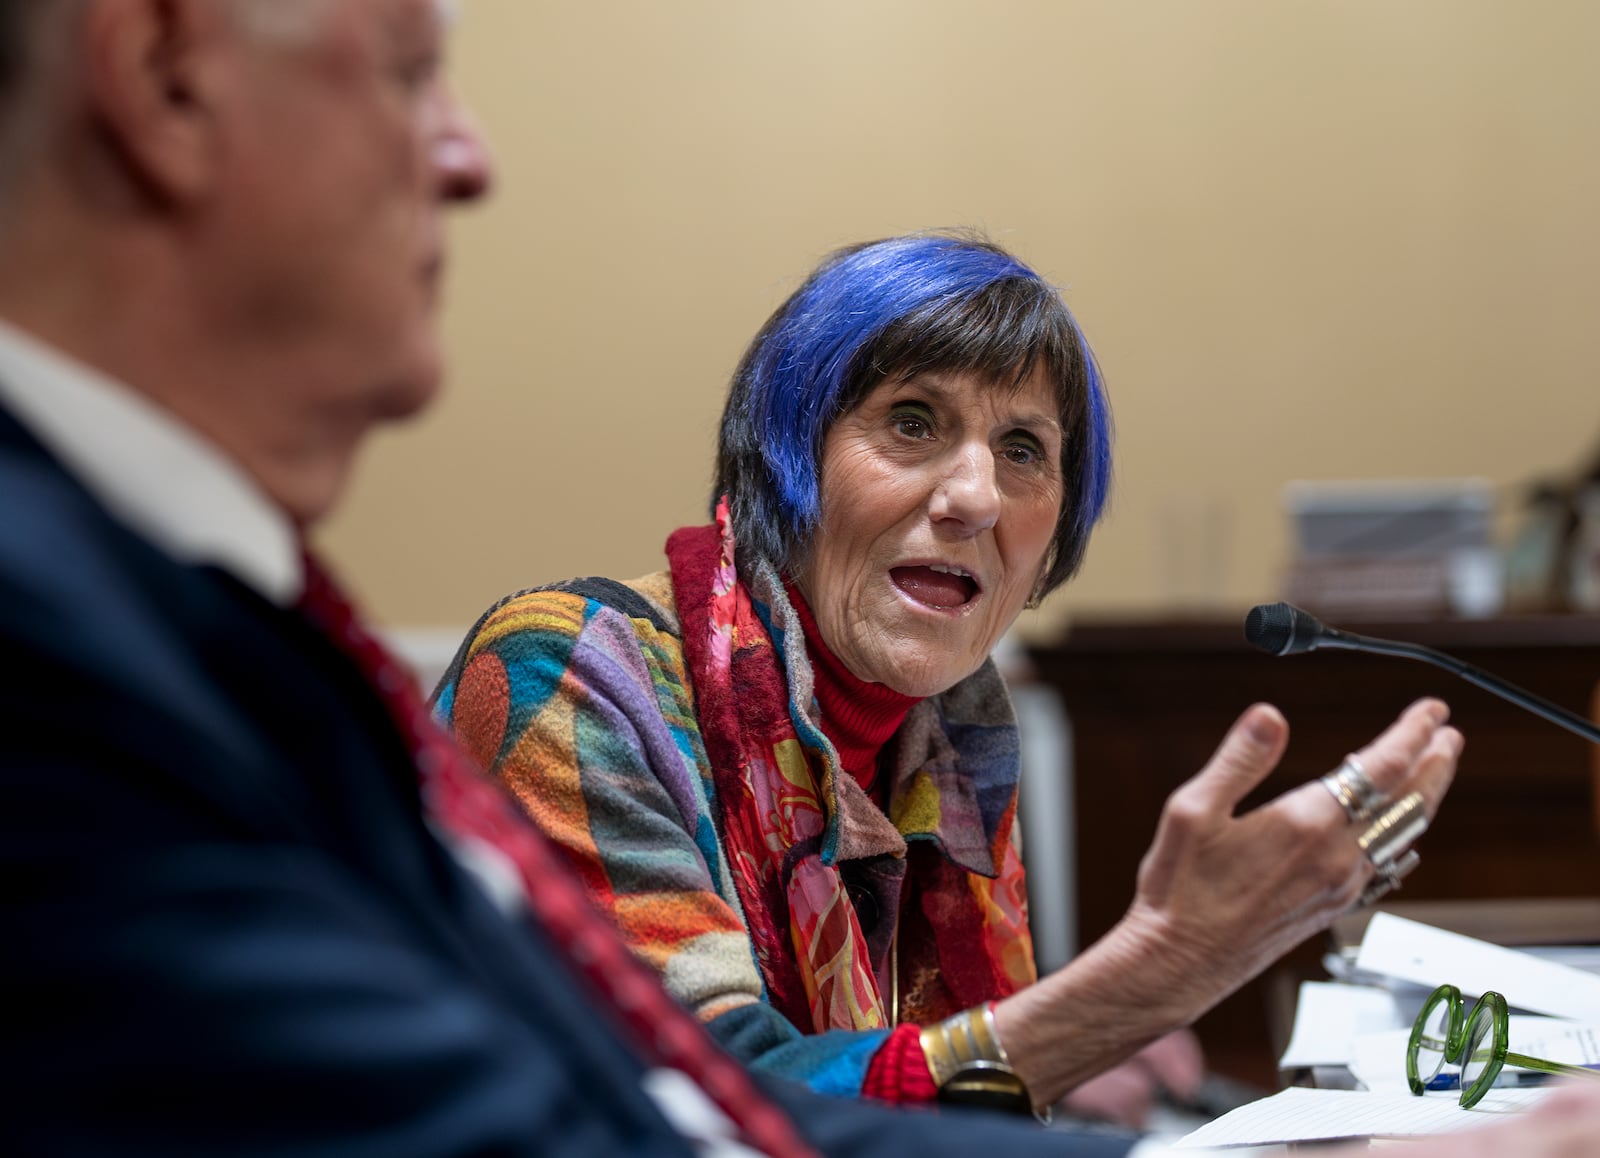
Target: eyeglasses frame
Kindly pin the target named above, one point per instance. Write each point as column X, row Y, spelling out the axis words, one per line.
column 1458, row 1033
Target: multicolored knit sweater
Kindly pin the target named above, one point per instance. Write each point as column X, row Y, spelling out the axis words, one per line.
column 585, row 705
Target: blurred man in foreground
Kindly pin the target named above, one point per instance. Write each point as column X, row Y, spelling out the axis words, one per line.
column 235, row 852
column 253, row 903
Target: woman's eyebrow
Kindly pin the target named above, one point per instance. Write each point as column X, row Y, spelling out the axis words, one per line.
column 930, row 383
column 940, row 389
column 1037, row 417
column 1034, row 421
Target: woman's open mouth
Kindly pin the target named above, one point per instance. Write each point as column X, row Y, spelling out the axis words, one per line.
column 937, row 585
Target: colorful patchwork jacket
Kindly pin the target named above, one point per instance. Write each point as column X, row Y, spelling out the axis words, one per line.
column 774, row 897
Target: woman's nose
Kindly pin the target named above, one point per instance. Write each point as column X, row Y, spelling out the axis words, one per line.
column 969, row 492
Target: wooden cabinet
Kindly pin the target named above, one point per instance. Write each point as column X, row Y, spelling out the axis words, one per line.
column 1149, row 701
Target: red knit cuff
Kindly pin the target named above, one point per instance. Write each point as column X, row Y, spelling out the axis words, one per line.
column 899, row 1072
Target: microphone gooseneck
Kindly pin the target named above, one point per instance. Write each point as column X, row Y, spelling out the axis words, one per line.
column 1284, row 629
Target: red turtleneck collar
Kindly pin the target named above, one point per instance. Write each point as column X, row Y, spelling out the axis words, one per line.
column 857, row 717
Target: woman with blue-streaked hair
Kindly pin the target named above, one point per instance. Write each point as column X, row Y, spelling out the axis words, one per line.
column 786, row 766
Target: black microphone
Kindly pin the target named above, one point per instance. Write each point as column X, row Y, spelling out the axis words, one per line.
column 1284, row 629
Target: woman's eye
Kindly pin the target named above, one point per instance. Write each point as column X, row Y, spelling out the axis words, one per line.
column 911, row 424
column 1024, row 453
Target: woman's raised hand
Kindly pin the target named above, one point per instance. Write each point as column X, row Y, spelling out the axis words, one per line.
column 1221, row 895
column 1225, row 894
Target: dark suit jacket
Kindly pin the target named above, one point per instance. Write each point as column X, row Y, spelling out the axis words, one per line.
column 227, row 930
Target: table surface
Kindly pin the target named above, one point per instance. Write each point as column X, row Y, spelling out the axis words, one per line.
column 1525, row 921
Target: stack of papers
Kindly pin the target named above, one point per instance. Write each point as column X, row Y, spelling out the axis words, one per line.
column 1409, row 951
column 1366, row 1027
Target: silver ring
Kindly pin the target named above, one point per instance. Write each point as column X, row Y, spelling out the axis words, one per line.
column 1389, row 836
column 1388, row 878
column 1402, row 868
column 1354, row 790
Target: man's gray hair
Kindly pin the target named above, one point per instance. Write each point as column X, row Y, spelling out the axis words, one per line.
column 35, row 37
column 278, row 19
column 20, row 30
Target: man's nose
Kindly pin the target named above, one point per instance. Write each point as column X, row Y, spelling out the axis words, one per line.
column 461, row 156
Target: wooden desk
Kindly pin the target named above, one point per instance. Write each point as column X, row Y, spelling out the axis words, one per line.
column 1150, row 700
column 1524, row 921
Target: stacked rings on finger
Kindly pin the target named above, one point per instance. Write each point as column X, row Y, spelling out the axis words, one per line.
column 1387, row 845
column 1354, row 790
column 1389, row 878
column 1392, row 833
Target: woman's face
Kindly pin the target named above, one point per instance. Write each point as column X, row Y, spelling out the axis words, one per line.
column 939, row 498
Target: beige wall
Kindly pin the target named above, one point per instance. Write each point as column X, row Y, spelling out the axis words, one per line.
column 1307, row 239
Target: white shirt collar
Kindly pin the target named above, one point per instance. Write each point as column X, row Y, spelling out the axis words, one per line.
column 151, row 470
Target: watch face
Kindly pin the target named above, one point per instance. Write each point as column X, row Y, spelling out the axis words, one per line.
column 988, row 1085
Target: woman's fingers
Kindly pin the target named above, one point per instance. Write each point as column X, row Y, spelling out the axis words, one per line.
column 1390, row 759
column 1418, row 752
column 1175, row 1063
column 1201, row 807
column 1247, row 754
column 1437, row 767
column 1123, row 1094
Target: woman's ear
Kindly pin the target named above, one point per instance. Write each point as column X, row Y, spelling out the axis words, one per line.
column 1036, row 596
column 150, row 66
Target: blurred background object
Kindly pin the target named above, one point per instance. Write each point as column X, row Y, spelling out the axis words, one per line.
column 1194, row 539
column 1328, row 239
column 1534, row 581
column 1410, row 548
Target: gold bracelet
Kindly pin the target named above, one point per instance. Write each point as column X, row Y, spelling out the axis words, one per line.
column 970, row 1066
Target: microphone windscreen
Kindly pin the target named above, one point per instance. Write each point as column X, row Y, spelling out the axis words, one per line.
column 1270, row 626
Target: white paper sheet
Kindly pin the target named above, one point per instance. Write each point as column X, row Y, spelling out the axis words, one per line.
column 1427, row 956
column 1329, row 1017
column 1560, row 1041
column 1300, row 1115
column 1380, row 1061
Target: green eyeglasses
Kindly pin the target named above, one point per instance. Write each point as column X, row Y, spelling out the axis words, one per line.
column 1476, row 1043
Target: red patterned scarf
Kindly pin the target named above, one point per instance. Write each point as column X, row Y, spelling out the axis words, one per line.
column 778, row 784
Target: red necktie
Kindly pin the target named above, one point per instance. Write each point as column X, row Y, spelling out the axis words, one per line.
column 466, row 803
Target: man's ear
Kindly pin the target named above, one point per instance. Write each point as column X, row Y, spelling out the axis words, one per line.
column 152, row 70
